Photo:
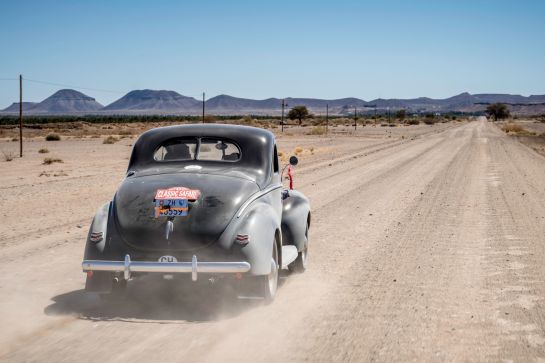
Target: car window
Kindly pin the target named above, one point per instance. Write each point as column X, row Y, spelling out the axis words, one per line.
column 218, row 150
column 179, row 149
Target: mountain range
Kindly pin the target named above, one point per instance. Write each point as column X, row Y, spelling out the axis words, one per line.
column 163, row 102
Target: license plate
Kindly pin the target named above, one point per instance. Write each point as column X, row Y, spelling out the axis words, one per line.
column 171, row 208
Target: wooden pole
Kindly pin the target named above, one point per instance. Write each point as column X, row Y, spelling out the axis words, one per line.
column 21, row 115
column 282, row 118
column 203, row 107
column 326, row 117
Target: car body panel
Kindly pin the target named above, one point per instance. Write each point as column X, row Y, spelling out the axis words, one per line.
column 236, row 197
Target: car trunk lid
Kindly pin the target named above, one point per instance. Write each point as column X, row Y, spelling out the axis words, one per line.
column 140, row 225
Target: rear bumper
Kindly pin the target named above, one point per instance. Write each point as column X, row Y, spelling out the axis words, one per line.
column 194, row 267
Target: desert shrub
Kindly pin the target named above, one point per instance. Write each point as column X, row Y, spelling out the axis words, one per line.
column 43, row 151
column 317, row 130
column 125, row 132
column 430, row 119
column 413, row 121
column 247, row 120
column 401, row 114
column 511, row 127
column 384, row 124
column 7, row 156
column 110, row 140
column 15, row 139
column 210, row 119
column 298, row 113
column 298, row 150
column 52, row 137
column 498, row 111
column 392, row 124
column 49, row 161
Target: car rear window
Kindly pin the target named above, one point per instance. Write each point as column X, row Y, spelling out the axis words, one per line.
column 214, row 149
column 218, row 150
column 176, row 150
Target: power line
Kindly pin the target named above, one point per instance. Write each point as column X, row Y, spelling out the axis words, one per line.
column 71, row 86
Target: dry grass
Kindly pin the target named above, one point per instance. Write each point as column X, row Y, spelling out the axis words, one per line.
column 318, row 130
column 52, row 137
column 49, row 161
column 110, row 140
column 43, row 151
column 511, row 127
column 7, row 156
column 57, row 173
column 298, row 150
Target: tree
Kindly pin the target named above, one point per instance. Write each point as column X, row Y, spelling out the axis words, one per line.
column 498, row 111
column 298, row 113
column 401, row 114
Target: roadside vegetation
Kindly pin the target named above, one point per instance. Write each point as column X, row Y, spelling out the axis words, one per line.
column 497, row 111
column 8, row 156
column 110, row 140
column 49, row 161
column 52, row 137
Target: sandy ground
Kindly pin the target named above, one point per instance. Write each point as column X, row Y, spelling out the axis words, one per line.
column 426, row 245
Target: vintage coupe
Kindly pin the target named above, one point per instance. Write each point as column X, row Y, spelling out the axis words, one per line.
column 202, row 200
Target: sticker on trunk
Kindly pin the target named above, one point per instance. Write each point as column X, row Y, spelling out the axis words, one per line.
column 174, row 202
column 178, row 193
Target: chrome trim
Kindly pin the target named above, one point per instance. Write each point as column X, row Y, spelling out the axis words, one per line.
column 256, row 196
column 194, row 267
column 169, row 228
column 127, row 267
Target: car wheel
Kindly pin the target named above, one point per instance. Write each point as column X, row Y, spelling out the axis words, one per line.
column 300, row 263
column 119, row 289
column 268, row 284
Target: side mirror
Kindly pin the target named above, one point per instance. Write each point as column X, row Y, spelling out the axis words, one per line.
column 294, row 161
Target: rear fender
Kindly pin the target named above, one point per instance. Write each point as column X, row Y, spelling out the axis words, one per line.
column 93, row 250
column 295, row 217
column 98, row 281
column 261, row 222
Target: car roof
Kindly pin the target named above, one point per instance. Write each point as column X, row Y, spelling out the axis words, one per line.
column 256, row 146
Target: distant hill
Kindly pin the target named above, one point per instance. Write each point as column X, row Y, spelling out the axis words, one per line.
column 152, row 101
column 66, row 101
column 228, row 105
column 163, row 102
column 14, row 107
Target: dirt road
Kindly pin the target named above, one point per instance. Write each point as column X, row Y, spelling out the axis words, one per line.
column 426, row 248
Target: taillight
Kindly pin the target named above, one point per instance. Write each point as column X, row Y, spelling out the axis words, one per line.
column 96, row 237
column 242, row 239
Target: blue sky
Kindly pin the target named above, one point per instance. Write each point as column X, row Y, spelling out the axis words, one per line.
column 333, row 49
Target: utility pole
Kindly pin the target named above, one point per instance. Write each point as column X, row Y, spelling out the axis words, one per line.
column 375, row 115
column 284, row 104
column 326, row 117
column 355, row 119
column 203, row 107
column 388, row 114
column 21, row 115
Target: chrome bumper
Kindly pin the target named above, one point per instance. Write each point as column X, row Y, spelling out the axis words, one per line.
column 193, row 267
